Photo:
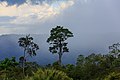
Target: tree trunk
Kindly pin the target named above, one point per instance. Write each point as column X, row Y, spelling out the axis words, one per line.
column 60, row 56
column 24, row 63
column 60, row 53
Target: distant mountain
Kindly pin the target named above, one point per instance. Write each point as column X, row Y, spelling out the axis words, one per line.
column 81, row 44
column 9, row 47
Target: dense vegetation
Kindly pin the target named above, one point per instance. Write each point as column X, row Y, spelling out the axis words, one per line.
column 92, row 67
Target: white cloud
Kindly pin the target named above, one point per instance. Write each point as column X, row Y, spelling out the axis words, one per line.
column 30, row 14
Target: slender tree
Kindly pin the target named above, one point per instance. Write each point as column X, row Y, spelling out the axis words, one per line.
column 29, row 47
column 57, row 40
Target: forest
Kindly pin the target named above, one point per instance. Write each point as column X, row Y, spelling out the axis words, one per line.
column 92, row 67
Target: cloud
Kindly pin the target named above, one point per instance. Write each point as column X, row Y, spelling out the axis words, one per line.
column 13, row 2
column 30, row 14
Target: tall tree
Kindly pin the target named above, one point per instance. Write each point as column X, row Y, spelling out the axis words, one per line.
column 57, row 40
column 29, row 47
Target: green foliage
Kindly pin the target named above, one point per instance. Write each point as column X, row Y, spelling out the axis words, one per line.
column 113, row 76
column 91, row 67
column 48, row 74
column 29, row 46
column 57, row 39
column 80, row 60
column 70, row 70
column 94, row 67
column 114, row 49
column 15, row 72
column 8, row 63
column 7, row 68
column 30, row 67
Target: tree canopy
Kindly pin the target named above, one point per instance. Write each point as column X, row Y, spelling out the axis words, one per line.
column 57, row 40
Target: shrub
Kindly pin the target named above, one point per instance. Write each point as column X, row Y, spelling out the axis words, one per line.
column 113, row 76
column 48, row 74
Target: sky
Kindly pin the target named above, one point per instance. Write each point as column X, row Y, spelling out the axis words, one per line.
column 94, row 23
column 39, row 16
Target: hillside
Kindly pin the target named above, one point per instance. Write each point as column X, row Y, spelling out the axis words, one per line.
column 78, row 45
